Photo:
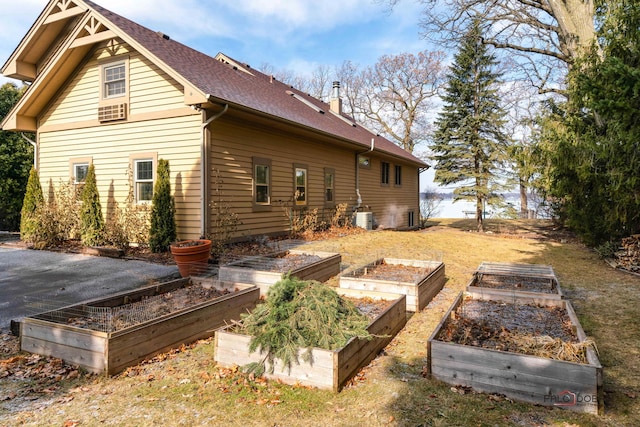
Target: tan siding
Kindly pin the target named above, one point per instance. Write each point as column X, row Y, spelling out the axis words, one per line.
column 389, row 203
column 174, row 139
column 233, row 149
column 150, row 90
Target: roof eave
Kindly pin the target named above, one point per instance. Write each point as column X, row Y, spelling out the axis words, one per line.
column 361, row 146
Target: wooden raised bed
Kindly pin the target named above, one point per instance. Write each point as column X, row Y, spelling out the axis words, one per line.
column 257, row 270
column 533, row 379
column 528, row 283
column 330, row 369
column 419, row 291
column 111, row 352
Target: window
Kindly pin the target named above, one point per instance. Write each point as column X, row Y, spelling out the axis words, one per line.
column 261, row 182
column 329, row 185
column 411, row 219
column 143, row 180
column 398, row 180
column 300, row 185
column 384, row 173
column 80, row 172
column 78, row 169
column 114, row 80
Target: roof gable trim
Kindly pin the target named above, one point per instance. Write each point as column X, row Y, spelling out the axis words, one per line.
column 65, row 12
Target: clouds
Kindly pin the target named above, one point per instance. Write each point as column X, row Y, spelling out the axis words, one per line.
column 288, row 34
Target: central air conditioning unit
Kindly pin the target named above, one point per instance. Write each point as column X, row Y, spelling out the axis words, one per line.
column 364, row 220
column 109, row 113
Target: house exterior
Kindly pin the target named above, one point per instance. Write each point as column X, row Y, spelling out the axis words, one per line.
column 109, row 92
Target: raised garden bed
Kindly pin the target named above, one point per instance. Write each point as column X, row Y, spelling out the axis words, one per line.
column 528, row 283
column 110, row 334
column 329, row 369
column 419, row 280
column 484, row 345
column 264, row 271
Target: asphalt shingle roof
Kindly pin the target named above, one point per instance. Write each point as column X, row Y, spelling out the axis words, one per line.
column 256, row 91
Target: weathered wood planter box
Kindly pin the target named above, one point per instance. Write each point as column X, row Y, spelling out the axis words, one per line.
column 264, row 271
column 330, row 369
column 110, row 352
column 528, row 283
column 420, row 285
column 533, row 379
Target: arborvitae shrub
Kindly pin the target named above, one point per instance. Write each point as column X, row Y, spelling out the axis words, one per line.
column 91, row 219
column 33, row 199
column 163, row 211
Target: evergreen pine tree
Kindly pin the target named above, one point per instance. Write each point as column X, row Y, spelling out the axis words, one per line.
column 92, row 229
column 163, row 211
column 469, row 143
column 33, row 199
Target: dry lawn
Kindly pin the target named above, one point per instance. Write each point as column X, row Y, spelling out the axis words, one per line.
column 186, row 388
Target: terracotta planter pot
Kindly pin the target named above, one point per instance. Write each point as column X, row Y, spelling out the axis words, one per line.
column 191, row 256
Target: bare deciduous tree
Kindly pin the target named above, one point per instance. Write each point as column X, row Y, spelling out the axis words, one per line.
column 395, row 94
column 545, row 34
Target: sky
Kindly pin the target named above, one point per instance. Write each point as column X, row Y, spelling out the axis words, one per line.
column 292, row 35
column 289, row 35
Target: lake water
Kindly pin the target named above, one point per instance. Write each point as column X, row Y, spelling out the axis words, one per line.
column 447, row 208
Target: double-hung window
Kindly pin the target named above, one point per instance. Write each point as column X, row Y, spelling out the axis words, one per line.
column 398, row 180
column 143, row 179
column 384, row 173
column 329, row 186
column 114, row 80
column 300, row 185
column 261, row 183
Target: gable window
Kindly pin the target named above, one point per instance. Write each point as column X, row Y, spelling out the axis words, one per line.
column 300, row 185
column 384, row 173
column 261, row 182
column 398, row 180
column 114, row 79
column 329, row 185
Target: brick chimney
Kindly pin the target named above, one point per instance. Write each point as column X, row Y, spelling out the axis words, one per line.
column 335, row 103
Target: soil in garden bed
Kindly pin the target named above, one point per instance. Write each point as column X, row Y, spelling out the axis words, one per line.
column 111, row 319
column 283, row 262
column 372, row 308
column 394, row 272
column 526, row 329
column 519, row 283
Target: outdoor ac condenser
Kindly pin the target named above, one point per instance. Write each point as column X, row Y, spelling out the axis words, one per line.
column 364, row 220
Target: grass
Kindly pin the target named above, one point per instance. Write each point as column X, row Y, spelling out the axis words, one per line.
column 187, row 388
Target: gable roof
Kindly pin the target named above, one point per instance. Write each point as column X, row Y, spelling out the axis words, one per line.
column 221, row 79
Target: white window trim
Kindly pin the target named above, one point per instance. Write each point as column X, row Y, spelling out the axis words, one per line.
column 104, row 65
column 137, row 180
column 133, row 160
column 78, row 161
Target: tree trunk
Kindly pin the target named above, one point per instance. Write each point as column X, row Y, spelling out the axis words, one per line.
column 576, row 24
column 479, row 214
column 524, row 203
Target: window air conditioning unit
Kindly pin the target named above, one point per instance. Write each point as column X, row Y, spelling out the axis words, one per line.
column 113, row 112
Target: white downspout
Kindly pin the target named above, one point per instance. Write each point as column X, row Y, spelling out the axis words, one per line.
column 204, row 169
column 359, row 201
column 35, row 149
